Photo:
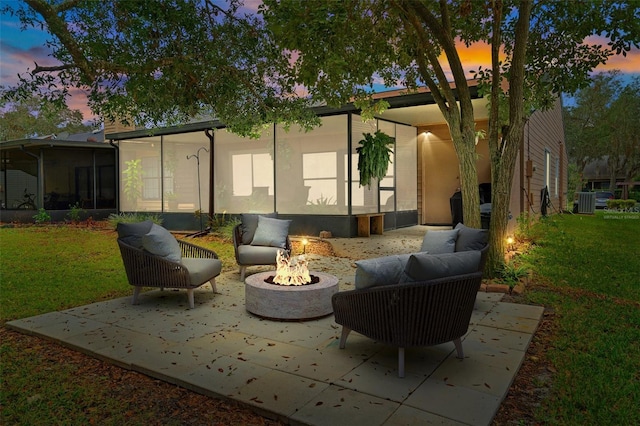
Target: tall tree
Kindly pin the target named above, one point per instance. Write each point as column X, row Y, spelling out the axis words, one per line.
column 538, row 49
column 624, row 134
column 35, row 116
column 603, row 123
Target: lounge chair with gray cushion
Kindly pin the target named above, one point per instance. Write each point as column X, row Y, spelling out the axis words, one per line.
column 153, row 257
column 418, row 299
column 258, row 239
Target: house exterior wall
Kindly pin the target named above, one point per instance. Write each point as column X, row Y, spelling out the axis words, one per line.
column 545, row 150
column 439, row 173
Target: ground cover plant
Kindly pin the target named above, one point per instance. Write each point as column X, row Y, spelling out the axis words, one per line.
column 582, row 366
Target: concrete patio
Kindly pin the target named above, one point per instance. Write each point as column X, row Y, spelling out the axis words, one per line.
column 294, row 371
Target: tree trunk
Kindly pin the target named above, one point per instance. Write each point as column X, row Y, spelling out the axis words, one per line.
column 504, row 153
column 502, row 179
column 464, row 144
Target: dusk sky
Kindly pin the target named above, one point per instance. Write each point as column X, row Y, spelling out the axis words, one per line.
column 20, row 49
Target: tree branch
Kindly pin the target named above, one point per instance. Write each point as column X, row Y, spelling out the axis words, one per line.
column 39, row 69
column 58, row 27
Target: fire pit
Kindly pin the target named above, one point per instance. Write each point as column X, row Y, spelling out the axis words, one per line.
column 289, row 302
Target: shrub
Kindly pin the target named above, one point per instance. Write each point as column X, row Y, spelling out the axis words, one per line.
column 222, row 226
column 42, row 216
column 75, row 212
column 621, row 204
column 511, row 273
column 115, row 219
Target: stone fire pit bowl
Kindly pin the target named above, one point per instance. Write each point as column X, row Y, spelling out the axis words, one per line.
column 292, row 302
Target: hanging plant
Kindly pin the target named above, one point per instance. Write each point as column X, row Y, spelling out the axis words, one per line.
column 374, row 156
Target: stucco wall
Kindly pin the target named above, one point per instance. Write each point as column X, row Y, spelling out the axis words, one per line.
column 438, row 172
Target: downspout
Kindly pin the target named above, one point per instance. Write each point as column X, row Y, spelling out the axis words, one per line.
column 40, row 180
column 211, row 172
column 117, row 148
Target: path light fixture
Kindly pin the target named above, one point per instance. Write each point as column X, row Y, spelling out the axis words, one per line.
column 510, row 243
column 304, row 245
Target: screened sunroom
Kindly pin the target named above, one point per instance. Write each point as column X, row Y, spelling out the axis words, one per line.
column 56, row 175
column 309, row 177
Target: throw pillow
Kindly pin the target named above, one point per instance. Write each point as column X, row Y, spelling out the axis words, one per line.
column 250, row 223
column 471, row 238
column 425, row 267
column 380, row 271
column 131, row 233
column 160, row 242
column 271, row 232
column 437, row 242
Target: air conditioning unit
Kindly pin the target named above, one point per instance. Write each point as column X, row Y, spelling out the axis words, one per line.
column 586, row 202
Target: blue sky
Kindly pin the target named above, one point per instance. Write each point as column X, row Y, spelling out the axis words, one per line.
column 20, row 49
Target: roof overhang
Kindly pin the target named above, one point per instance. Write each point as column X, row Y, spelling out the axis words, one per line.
column 50, row 143
column 416, row 108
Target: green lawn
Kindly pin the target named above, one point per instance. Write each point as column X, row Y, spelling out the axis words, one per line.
column 587, row 270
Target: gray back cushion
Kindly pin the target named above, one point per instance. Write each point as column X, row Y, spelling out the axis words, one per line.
column 437, row 242
column 380, row 271
column 160, row 242
column 271, row 232
column 131, row 233
column 424, row 266
column 471, row 238
column 250, row 223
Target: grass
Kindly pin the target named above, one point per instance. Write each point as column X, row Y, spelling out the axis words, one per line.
column 589, row 272
column 586, row 267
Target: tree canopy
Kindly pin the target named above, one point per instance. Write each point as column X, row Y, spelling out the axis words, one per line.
column 35, row 116
column 163, row 62
column 603, row 124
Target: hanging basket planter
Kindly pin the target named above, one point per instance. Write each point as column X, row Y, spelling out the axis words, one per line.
column 374, row 156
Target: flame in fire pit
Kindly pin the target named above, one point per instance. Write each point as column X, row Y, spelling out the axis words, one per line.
column 291, row 272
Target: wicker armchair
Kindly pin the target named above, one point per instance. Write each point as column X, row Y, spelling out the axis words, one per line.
column 249, row 255
column 410, row 314
column 144, row 269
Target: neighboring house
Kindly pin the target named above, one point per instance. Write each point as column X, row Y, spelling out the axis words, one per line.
column 55, row 174
column 312, row 177
column 597, row 175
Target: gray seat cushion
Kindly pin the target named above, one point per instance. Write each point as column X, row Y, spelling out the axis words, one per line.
column 257, row 255
column 380, row 271
column 424, row 266
column 202, row 270
column 131, row 233
column 250, row 223
column 437, row 242
column 471, row 238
